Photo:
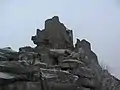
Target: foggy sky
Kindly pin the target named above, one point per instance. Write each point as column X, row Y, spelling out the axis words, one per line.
column 98, row 21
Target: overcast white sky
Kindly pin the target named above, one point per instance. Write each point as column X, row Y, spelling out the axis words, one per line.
column 96, row 20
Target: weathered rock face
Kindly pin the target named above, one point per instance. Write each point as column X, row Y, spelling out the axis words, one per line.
column 7, row 54
column 55, row 35
column 109, row 82
column 54, row 64
column 83, row 44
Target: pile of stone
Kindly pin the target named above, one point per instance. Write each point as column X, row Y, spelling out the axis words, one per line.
column 54, row 64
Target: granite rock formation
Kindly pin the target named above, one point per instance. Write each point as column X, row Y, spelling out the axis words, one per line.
column 54, row 64
column 55, row 35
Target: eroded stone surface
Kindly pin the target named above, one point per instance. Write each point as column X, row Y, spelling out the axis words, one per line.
column 54, row 64
column 55, row 35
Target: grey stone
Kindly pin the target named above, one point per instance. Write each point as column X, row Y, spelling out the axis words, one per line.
column 54, row 64
column 24, row 86
column 55, row 35
column 26, row 49
column 7, row 54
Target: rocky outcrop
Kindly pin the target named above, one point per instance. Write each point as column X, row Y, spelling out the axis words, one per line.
column 54, row 64
column 7, row 54
column 55, row 35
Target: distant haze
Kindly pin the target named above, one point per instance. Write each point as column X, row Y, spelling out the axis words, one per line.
column 98, row 21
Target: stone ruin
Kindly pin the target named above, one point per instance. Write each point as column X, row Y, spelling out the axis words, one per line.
column 54, row 64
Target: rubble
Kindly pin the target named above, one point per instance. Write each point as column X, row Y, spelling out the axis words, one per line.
column 54, row 64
